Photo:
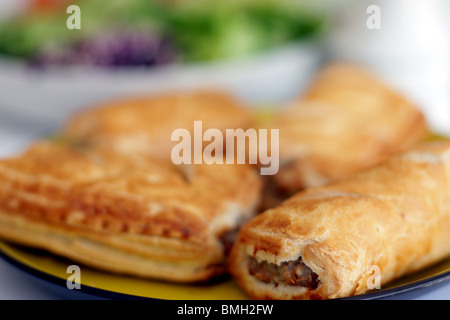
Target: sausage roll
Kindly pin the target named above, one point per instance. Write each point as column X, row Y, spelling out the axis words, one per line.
column 130, row 215
column 333, row 241
column 144, row 125
column 346, row 121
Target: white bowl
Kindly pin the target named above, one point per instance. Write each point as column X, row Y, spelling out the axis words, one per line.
column 262, row 79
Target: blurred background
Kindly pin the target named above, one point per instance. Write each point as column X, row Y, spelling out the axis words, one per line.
column 264, row 51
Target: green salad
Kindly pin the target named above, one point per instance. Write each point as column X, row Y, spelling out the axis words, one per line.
column 151, row 32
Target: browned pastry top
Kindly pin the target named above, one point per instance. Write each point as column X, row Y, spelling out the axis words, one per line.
column 107, row 191
column 145, row 124
column 347, row 120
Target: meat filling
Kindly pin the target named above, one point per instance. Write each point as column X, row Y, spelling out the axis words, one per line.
column 294, row 273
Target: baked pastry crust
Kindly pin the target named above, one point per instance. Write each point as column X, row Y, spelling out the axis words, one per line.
column 395, row 216
column 346, row 121
column 131, row 215
column 143, row 125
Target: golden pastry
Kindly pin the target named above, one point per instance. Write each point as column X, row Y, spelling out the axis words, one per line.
column 331, row 241
column 346, row 121
column 144, row 125
column 124, row 214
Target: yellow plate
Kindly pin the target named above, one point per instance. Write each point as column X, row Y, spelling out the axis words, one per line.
column 53, row 268
column 45, row 264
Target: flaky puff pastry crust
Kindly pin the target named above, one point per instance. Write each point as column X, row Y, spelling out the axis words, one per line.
column 143, row 125
column 347, row 120
column 395, row 216
column 125, row 214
